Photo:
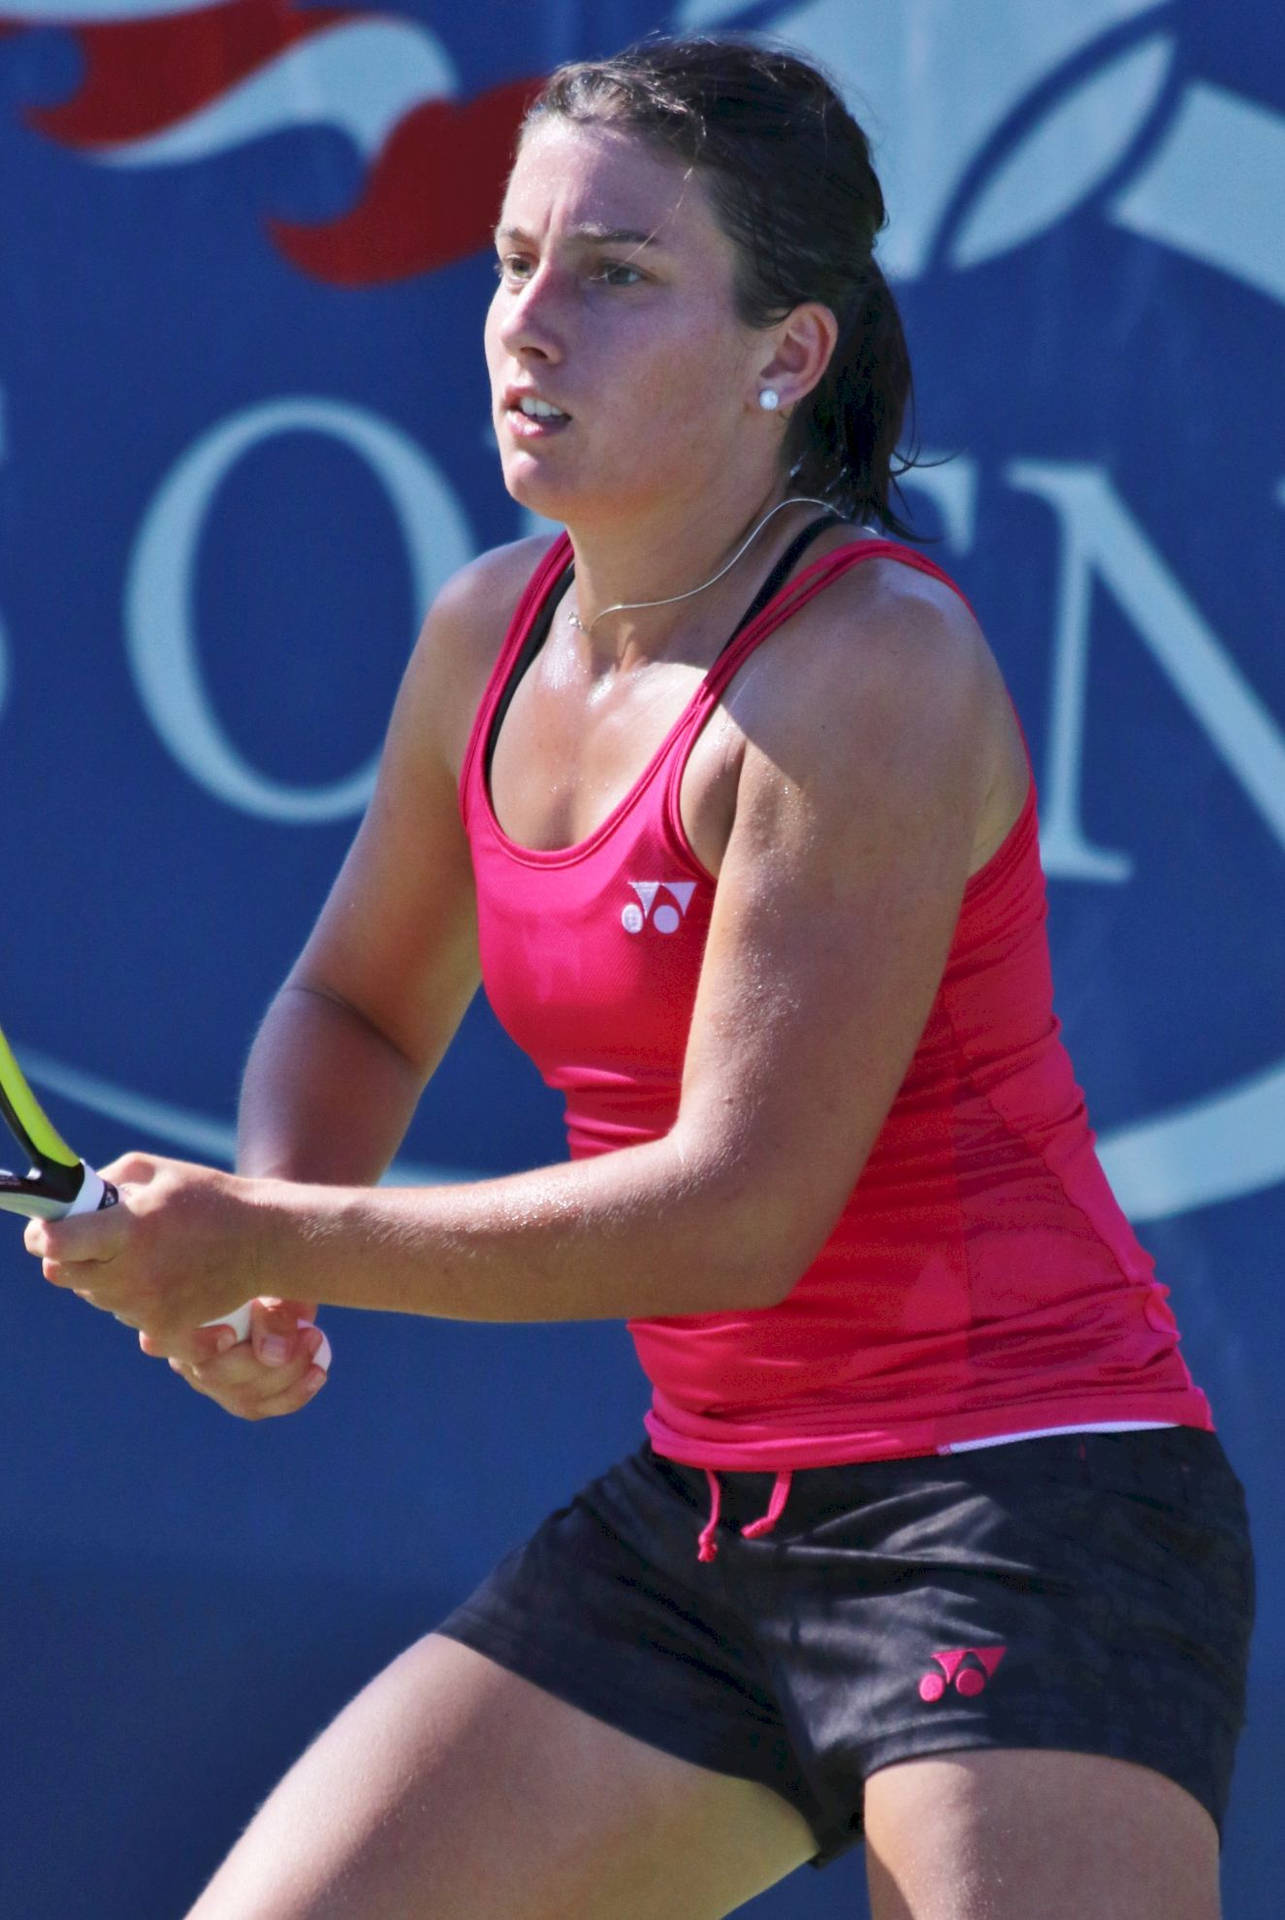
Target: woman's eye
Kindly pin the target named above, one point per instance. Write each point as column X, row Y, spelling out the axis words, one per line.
column 516, row 267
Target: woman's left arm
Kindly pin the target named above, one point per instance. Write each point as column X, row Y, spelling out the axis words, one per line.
column 868, row 760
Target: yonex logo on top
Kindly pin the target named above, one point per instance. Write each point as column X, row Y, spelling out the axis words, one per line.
column 665, row 915
column 968, row 1668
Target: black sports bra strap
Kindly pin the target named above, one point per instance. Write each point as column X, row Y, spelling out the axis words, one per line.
column 782, row 571
column 536, row 637
column 539, row 632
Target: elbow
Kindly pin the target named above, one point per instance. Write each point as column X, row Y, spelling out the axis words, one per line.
column 768, row 1233
column 760, row 1274
column 763, row 1212
column 775, row 1283
column 779, row 1263
column 747, row 1283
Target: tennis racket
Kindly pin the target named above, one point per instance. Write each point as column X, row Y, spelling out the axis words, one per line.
column 58, row 1182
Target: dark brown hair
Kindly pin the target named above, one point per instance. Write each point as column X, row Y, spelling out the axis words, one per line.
column 789, row 177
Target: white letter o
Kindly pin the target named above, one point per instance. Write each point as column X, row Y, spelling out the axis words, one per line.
column 160, row 635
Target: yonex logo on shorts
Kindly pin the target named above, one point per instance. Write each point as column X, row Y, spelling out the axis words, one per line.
column 665, row 915
column 967, row 1668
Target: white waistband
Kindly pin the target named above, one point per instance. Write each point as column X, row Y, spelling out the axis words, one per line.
column 1045, row 1433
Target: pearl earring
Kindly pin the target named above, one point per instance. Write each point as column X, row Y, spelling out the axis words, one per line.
column 769, row 399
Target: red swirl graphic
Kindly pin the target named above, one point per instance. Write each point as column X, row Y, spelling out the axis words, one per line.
column 143, row 75
column 432, row 191
column 431, row 197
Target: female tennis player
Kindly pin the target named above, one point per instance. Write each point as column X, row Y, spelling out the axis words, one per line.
column 722, row 794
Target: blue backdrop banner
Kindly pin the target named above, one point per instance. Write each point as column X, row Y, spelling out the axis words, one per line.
column 243, row 439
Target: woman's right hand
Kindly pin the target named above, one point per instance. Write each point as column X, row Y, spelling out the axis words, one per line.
column 275, row 1371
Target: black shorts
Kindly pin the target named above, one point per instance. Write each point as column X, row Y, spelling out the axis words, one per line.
column 1090, row 1592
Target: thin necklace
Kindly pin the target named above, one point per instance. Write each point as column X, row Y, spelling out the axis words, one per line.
column 637, row 606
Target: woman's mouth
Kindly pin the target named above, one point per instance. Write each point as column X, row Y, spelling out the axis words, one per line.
column 532, row 418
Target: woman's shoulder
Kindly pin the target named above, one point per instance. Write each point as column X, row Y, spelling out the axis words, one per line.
column 886, row 664
column 882, row 628
column 464, row 631
column 478, row 602
column 890, row 580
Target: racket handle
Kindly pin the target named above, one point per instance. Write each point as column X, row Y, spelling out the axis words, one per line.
column 97, row 1193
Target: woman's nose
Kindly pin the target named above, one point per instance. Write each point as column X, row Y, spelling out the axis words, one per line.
column 534, row 319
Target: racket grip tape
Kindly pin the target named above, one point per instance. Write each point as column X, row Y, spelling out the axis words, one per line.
column 240, row 1324
column 96, row 1194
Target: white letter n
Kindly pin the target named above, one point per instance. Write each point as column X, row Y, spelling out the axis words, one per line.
column 1100, row 539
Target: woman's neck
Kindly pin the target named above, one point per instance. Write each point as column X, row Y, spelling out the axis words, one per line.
column 638, row 587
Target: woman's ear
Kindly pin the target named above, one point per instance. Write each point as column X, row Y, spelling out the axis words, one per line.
column 803, row 344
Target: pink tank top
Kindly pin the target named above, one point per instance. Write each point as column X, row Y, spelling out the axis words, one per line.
column 982, row 1281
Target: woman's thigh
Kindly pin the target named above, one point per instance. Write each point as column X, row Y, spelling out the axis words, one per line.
column 1004, row 1835
column 451, row 1789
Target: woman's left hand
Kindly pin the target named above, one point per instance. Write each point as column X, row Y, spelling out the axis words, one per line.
column 184, row 1245
column 277, row 1370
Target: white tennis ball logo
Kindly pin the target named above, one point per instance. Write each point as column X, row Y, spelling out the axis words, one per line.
column 665, row 919
column 990, row 123
column 1042, row 164
column 662, row 902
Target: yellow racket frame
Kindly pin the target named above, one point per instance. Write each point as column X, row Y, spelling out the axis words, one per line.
column 31, row 1116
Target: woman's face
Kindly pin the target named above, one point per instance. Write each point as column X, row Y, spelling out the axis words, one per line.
column 615, row 306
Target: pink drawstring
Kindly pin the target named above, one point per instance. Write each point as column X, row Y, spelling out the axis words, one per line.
column 707, row 1545
column 775, row 1507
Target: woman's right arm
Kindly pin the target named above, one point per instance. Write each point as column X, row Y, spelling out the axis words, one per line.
column 370, row 1005
column 372, row 1002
